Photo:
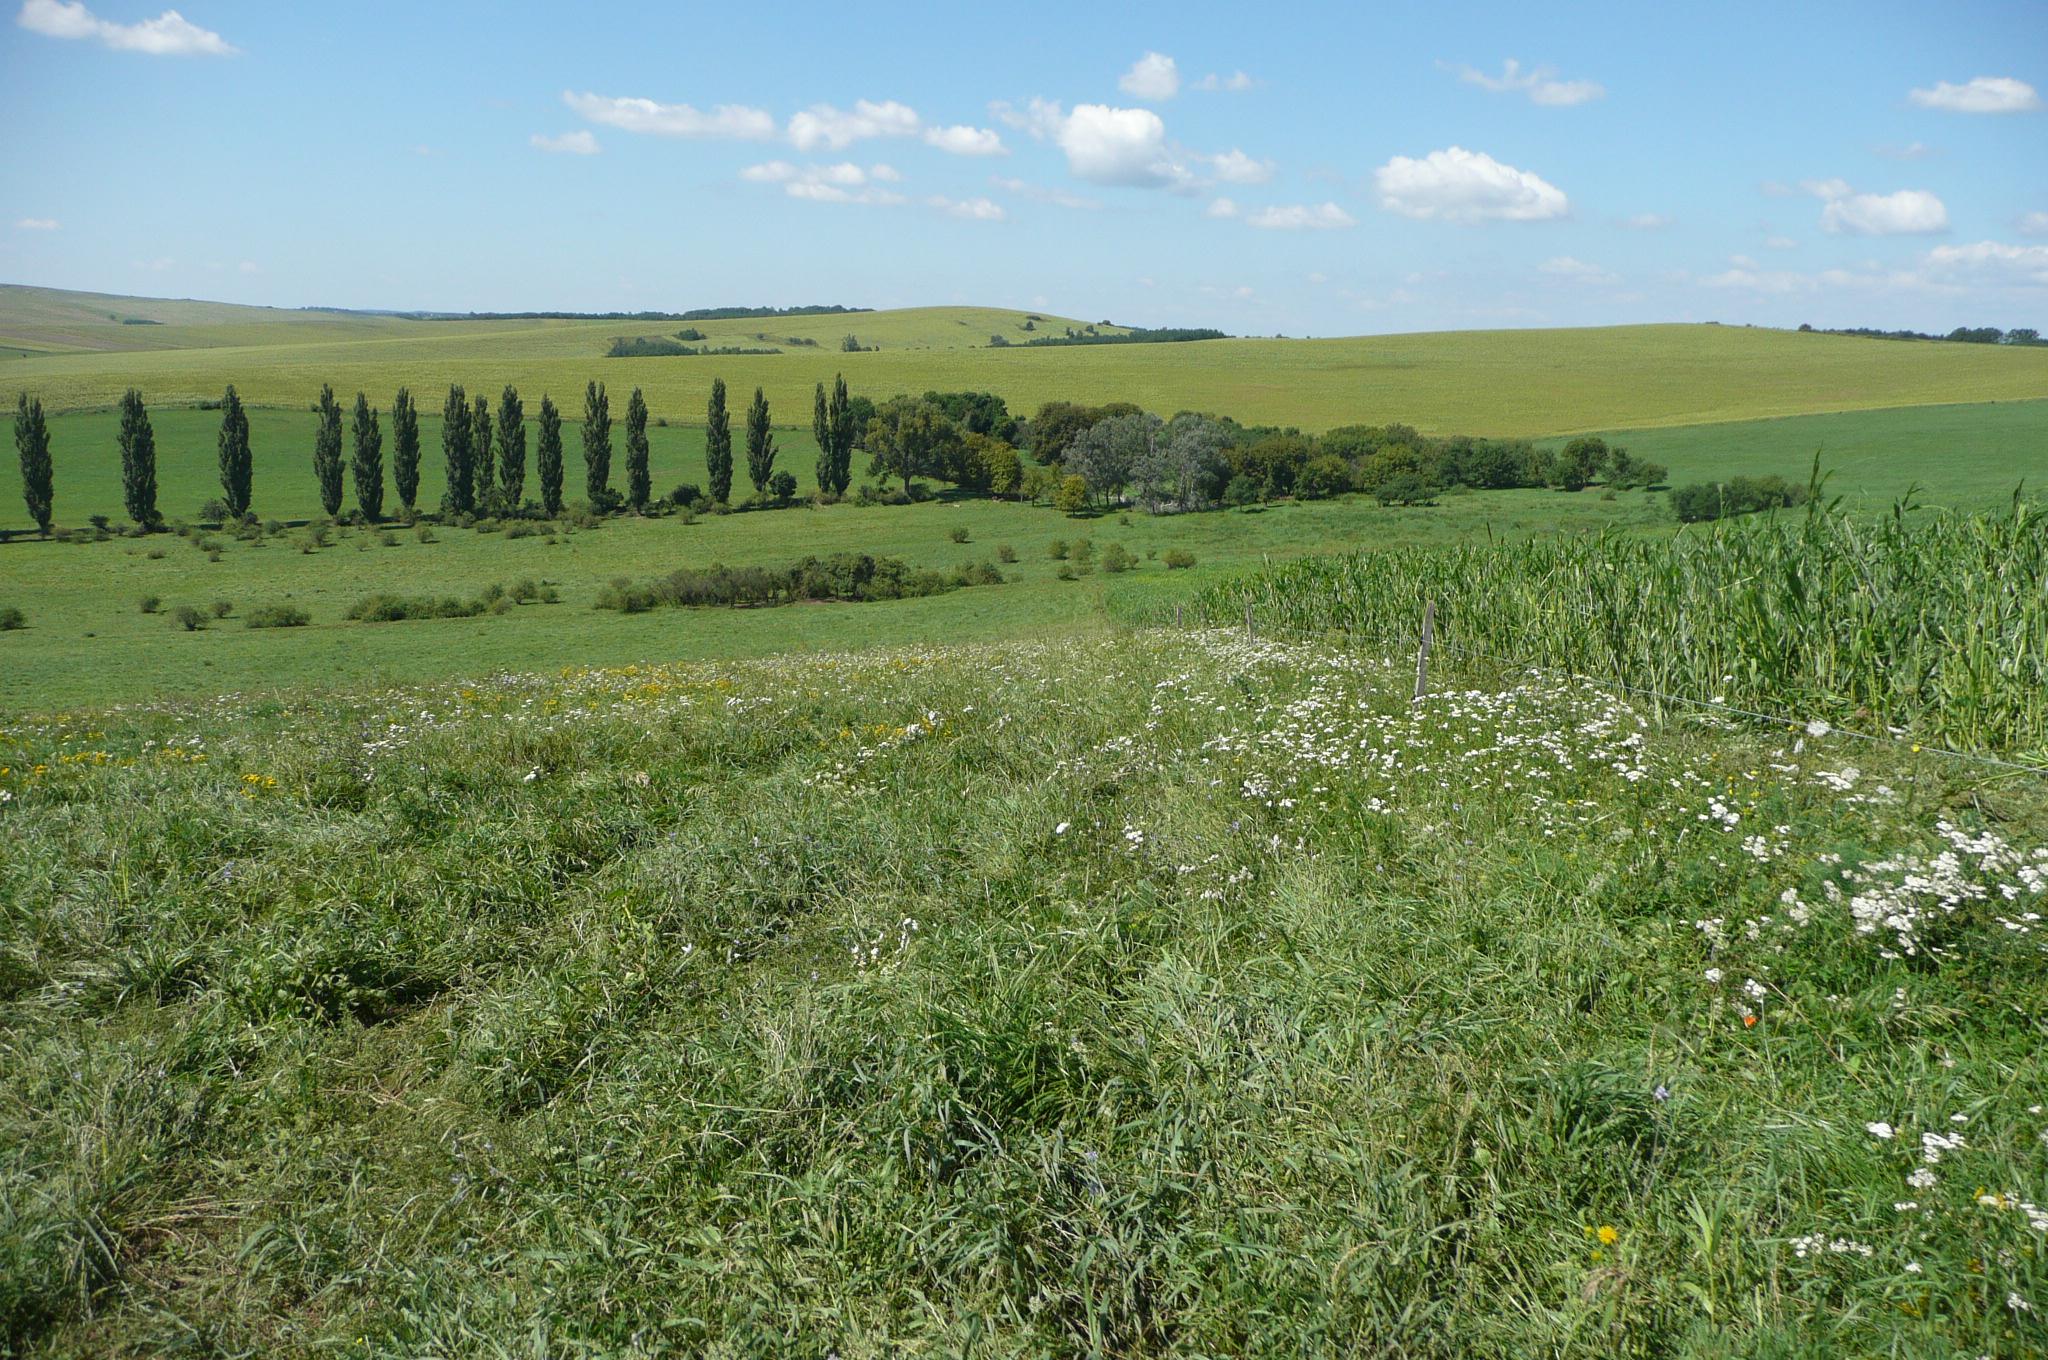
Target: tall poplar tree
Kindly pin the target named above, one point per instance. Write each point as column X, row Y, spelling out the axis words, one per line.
column 821, row 432
column 235, row 465
column 718, row 444
column 839, row 415
column 597, row 445
column 405, row 449
column 638, row 483
column 548, row 457
column 367, row 466
column 760, row 444
column 511, row 446
column 327, row 451
column 138, row 460
column 455, row 452
column 480, row 470
column 32, row 442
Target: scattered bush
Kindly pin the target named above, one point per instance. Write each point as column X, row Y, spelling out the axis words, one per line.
column 1117, row 558
column 1703, row 501
column 188, row 618
column 957, row 533
column 686, row 496
column 1404, row 489
column 149, row 604
column 276, row 616
column 12, row 619
column 782, row 486
column 425, row 533
column 1178, row 559
column 1005, row 553
column 840, row 577
column 223, row 608
column 1058, row 549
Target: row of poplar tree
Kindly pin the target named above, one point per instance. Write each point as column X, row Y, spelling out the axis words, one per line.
column 483, row 453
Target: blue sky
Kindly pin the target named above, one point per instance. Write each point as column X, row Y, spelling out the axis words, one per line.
column 1274, row 169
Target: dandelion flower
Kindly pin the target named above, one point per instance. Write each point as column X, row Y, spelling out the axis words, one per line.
column 1608, row 1235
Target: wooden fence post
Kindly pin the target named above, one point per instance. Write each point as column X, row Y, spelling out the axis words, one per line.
column 1422, row 652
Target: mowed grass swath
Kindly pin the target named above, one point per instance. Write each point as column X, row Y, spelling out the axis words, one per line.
column 1139, row 996
column 1933, row 624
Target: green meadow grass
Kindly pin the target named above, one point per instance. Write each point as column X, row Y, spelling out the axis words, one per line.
column 1968, row 456
column 88, row 642
column 1530, row 383
column 1140, row 996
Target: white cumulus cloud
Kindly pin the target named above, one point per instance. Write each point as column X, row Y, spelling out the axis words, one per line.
column 1152, row 77
column 1302, row 217
column 1539, row 83
column 1235, row 167
column 1908, row 212
column 826, row 126
column 1107, row 145
column 567, row 143
column 1984, row 94
column 734, row 121
column 1456, row 185
column 2034, row 224
column 170, row 34
column 962, row 140
column 37, row 224
column 1992, row 263
column 842, row 182
column 1237, row 82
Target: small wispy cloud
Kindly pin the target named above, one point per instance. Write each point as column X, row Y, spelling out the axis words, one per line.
column 567, row 143
column 1237, row 82
column 1302, row 217
column 1984, row 94
column 170, row 34
column 1539, row 83
column 1648, row 221
column 37, row 224
column 726, row 121
column 1041, row 193
column 970, row 209
column 843, row 182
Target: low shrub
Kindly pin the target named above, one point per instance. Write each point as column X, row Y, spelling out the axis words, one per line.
column 149, row 604
column 223, row 608
column 1116, row 558
column 276, row 616
column 1704, row 501
column 1005, row 553
column 957, row 534
column 188, row 618
column 846, row 577
column 12, row 619
column 1178, row 559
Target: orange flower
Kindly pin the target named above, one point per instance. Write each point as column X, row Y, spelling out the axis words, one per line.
column 1748, row 1020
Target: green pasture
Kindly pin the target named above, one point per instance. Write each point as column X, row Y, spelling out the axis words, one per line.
column 88, row 641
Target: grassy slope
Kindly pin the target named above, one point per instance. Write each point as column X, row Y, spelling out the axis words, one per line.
column 1481, row 382
column 87, row 641
column 1141, row 997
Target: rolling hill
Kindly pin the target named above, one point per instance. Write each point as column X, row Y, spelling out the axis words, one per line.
column 1528, row 382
